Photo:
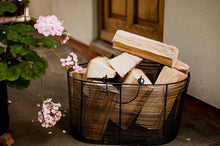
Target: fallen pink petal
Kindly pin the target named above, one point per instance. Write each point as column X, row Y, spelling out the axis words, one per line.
column 50, row 132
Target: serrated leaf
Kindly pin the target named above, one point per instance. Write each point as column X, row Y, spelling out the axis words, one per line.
column 39, row 69
column 1, row 11
column 1, row 50
column 26, row 71
column 29, row 40
column 13, row 73
column 32, row 56
column 44, row 61
column 22, row 28
column 16, row 49
column 13, row 36
column 24, row 51
column 7, row 6
column 19, row 84
column 48, row 43
column 3, row 71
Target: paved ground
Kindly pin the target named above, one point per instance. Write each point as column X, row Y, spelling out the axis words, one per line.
column 26, row 130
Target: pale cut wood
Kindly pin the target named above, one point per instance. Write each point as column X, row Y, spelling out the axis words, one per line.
column 170, row 75
column 98, row 67
column 123, row 63
column 131, row 110
column 145, row 48
column 96, row 110
column 154, row 105
column 181, row 66
column 80, row 75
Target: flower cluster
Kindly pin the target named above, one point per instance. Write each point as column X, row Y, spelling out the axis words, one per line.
column 49, row 114
column 49, row 25
column 71, row 61
column 65, row 39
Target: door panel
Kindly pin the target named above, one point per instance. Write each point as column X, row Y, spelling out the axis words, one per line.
column 118, row 9
column 142, row 17
column 147, row 10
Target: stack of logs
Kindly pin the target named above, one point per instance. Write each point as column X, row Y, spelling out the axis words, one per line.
column 97, row 113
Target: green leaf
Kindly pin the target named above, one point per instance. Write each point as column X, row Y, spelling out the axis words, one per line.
column 48, row 43
column 16, row 49
column 13, row 36
column 32, row 56
column 7, row 6
column 1, row 50
column 39, row 69
column 29, row 40
column 22, row 28
column 19, row 84
column 3, row 71
column 1, row 11
column 26, row 71
column 24, row 51
column 44, row 61
column 13, row 73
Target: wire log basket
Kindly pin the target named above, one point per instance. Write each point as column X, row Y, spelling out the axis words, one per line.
column 135, row 114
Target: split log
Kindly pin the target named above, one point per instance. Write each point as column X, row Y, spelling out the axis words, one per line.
column 181, row 66
column 80, row 75
column 123, row 63
column 152, row 113
column 145, row 48
column 129, row 111
column 96, row 109
column 75, row 95
column 98, row 67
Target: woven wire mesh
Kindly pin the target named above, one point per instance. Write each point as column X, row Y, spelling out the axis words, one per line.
column 108, row 113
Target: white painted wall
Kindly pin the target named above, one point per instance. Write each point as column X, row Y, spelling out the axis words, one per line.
column 194, row 27
column 79, row 18
column 190, row 25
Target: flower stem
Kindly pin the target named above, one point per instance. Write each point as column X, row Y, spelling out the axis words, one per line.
column 42, row 93
column 55, row 53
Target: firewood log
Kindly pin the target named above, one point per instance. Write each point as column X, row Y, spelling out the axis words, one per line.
column 129, row 111
column 98, row 67
column 123, row 63
column 75, row 80
column 80, row 75
column 152, row 113
column 145, row 48
column 181, row 66
column 96, row 109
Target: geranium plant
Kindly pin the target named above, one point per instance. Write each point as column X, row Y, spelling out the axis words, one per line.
column 20, row 63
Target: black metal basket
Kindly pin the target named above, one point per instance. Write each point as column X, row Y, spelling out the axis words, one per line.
column 117, row 113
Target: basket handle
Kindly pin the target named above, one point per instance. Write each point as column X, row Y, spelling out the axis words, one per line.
column 140, row 82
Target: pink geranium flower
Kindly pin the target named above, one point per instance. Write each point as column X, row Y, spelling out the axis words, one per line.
column 49, row 25
column 65, row 40
column 71, row 61
column 49, row 114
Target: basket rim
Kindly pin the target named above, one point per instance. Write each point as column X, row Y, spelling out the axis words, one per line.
column 99, row 82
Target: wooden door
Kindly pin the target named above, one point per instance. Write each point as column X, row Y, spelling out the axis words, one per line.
column 142, row 17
